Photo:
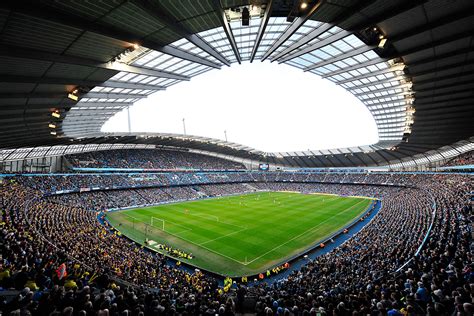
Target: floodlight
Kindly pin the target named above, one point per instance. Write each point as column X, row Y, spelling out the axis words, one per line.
column 73, row 96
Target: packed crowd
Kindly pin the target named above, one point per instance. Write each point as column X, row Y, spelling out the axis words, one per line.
column 53, row 183
column 464, row 159
column 343, row 190
column 109, row 275
column 113, row 199
column 359, row 277
column 150, row 159
column 83, row 182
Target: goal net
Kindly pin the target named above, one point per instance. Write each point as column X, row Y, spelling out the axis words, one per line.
column 157, row 223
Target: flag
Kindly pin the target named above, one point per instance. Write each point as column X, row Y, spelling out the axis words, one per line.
column 227, row 284
column 93, row 277
column 61, row 271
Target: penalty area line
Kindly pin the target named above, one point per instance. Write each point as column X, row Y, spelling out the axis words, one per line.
column 209, row 249
column 206, row 216
column 233, row 233
column 306, row 231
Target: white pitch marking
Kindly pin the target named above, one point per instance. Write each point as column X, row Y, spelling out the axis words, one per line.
column 303, row 233
column 238, row 231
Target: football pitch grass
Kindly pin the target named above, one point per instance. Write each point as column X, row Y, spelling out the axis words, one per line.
column 241, row 234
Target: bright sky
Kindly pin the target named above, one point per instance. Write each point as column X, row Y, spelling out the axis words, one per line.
column 268, row 106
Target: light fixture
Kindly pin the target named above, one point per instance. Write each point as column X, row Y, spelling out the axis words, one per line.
column 245, row 17
column 53, row 132
column 398, row 69
column 303, row 5
column 382, row 42
column 52, row 125
column 73, row 96
column 56, row 114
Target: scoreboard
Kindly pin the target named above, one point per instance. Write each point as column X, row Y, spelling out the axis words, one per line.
column 263, row 167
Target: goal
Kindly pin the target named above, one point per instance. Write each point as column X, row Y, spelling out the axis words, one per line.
column 157, row 223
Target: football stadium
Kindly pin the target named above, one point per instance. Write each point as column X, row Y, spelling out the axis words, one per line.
column 99, row 218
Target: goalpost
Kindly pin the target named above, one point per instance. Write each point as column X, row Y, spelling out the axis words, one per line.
column 153, row 220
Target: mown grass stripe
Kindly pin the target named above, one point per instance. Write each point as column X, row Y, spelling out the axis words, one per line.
column 253, row 231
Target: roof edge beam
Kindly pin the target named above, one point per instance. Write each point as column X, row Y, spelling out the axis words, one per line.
column 366, row 75
column 106, row 95
column 396, row 94
column 36, row 9
column 130, row 85
column 318, row 45
column 353, row 67
column 101, row 104
column 374, row 83
column 156, row 11
column 309, row 37
column 292, row 29
column 20, row 52
column 78, row 82
column 227, row 29
column 340, row 57
column 261, row 29
column 302, row 41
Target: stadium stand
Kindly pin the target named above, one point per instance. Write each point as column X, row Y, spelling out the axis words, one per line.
column 39, row 234
column 150, row 159
column 53, row 183
column 461, row 160
column 67, row 67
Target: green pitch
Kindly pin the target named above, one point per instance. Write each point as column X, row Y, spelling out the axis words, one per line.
column 241, row 235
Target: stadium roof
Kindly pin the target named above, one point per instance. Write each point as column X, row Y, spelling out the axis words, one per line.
column 410, row 62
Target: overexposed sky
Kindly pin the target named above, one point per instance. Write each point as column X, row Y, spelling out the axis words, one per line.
column 268, row 106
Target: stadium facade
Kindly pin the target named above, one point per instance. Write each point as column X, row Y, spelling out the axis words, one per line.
column 336, row 232
column 67, row 67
